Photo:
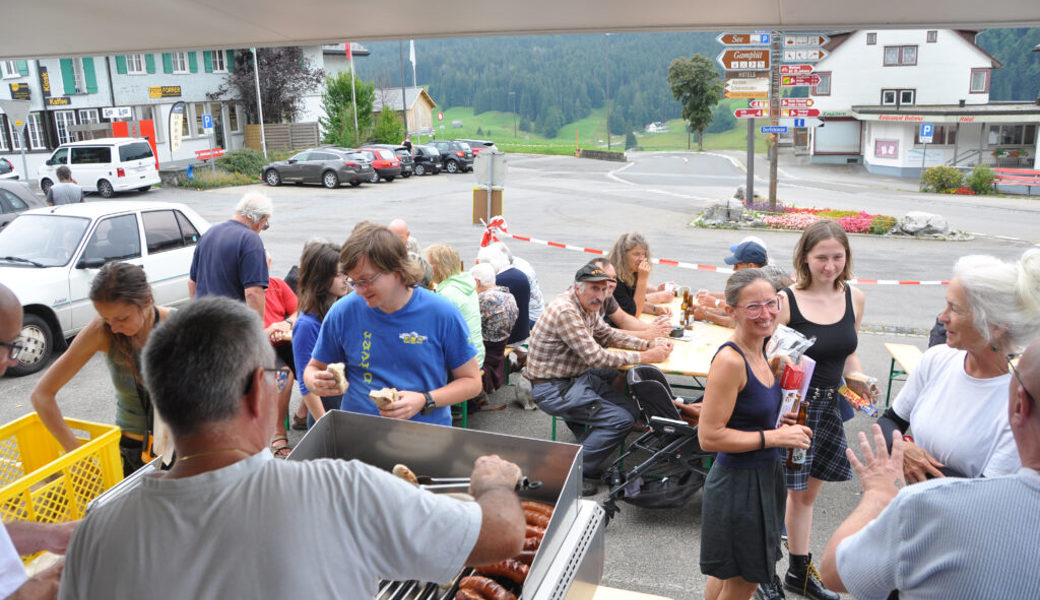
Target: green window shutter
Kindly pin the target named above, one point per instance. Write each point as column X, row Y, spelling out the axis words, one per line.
column 149, row 63
column 193, row 62
column 167, row 62
column 68, row 76
column 121, row 64
column 23, row 67
column 230, row 61
column 207, row 60
column 90, row 75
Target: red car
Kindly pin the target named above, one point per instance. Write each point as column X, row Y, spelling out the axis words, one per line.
column 386, row 164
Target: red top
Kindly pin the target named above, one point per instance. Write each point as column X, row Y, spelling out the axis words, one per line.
column 279, row 301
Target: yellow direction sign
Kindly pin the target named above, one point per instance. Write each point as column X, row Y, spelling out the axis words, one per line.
column 751, row 94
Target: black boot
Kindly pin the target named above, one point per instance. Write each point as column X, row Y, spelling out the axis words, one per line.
column 770, row 591
column 803, row 579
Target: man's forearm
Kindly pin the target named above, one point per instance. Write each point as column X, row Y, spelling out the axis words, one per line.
column 255, row 300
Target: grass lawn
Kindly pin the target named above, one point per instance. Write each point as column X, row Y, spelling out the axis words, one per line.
column 589, row 132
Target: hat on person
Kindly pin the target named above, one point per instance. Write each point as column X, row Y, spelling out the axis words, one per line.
column 747, row 252
column 591, row 273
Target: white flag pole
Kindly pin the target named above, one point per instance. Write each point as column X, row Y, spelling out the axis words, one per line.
column 411, row 57
column 259, row 105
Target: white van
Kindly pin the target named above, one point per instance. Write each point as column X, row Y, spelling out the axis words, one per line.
column 105, row 166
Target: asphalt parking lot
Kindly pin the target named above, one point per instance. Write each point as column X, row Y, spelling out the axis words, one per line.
column 588, row 204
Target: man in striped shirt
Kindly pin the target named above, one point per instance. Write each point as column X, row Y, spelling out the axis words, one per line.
column 946, row 537
column 572, row 371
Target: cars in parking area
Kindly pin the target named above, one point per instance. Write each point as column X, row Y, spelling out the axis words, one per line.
column 407, row 162
column 427, row 160
column 48, row 257
column 7, row 170
column 15, row 197
column 104, row 165
column 456, row 156
column 479, row 145
column 330, row 167
column 387, row 163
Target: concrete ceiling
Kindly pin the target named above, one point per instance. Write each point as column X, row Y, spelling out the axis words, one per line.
column 48, row 28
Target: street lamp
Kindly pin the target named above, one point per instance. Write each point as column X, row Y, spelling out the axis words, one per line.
column 513, row 96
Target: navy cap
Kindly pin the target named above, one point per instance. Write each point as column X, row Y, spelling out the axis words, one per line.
column 749, row 252
column 591, row 273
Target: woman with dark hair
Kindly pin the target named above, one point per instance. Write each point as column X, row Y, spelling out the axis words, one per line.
column 127, row 314
column 823, row 305
column 743, row 507
column 321, row 284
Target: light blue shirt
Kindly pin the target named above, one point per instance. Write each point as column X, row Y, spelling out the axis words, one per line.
column 948, row 539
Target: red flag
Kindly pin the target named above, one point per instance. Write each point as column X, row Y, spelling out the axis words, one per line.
column 349, row 57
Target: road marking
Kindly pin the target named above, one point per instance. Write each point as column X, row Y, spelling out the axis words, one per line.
column 612, row 174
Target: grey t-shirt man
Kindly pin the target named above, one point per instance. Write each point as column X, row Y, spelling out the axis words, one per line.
column 64, row 193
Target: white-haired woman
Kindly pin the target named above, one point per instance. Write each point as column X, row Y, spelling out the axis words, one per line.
column 498, row 313
column 954, row 406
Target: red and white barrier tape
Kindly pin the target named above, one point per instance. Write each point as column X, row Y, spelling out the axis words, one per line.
column 497, row 228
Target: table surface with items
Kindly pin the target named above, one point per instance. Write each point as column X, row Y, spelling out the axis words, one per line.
column 692, row 353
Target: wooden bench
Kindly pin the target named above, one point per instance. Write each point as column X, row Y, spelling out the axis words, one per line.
column 209, row 153
column 1020, row 177
column 907, row 358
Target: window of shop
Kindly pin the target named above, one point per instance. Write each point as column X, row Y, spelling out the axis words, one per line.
column 200, row 109
column 900, row 56
column 233, row 122
column 3, row 134
column 62, row 120
column 942, row 135
column 89, row 115
column 34, row 131
column 1012, row 135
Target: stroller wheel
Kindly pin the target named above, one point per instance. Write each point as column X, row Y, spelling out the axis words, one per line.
column 610, row 508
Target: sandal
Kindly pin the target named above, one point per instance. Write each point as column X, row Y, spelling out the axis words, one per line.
column 299, row 424
column 280, row 450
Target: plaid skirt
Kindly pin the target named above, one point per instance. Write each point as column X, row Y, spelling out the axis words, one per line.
column 825, row 459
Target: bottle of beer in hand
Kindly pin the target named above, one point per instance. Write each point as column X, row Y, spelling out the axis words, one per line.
column 796, row 456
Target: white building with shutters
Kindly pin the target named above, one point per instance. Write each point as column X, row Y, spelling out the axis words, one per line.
column 68, row 93
column 878, row 87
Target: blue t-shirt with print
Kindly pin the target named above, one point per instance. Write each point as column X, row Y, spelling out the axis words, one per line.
column 411, row 349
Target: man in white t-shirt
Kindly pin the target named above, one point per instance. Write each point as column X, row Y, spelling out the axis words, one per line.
column 230, row 521
column 25, row 537
column 946, row 537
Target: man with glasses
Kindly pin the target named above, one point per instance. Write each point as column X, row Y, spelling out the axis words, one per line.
column 209, row 527
column 391, row 333
column 946, row 537
column 572, row 372
column 229, row 259
column 25, row 537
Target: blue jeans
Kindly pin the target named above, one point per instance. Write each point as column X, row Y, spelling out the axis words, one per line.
column 589, row 400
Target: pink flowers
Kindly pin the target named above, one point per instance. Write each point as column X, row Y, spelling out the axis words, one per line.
column 791, row 220
column 850, row 221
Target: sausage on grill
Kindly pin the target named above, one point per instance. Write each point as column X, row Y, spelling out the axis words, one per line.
column 534, row 531
column 526, row 557
column 545, row 509
column 532, row 543
column 510, row 569
column 466, row 594
column 536, row 518
column 486, row 587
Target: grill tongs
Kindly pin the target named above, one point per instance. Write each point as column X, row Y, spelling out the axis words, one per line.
column 435, row 484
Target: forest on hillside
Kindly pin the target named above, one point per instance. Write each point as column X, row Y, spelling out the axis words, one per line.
column 557, row 79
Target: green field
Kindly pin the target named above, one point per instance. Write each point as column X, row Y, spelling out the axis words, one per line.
column 589, row 132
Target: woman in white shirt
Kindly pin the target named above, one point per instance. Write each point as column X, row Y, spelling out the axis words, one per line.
column 954, row 406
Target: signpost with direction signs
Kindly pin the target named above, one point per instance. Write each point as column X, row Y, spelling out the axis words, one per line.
column 800, row 55
column 758, row 38
column 795, row 69
column 746, row 88
column 207, row 126
column 756, row 113
column 805, row 40
column 744, row 59
column 799, row 80
column 784, row 103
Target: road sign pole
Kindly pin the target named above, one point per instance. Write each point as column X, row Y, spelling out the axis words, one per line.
column 774, row 113
column 212, row 157
column 25, row 165
column 749, row 187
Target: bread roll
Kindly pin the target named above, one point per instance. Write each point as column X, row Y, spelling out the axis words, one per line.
column 405, row 473
column 383, row 397
column 337, row 369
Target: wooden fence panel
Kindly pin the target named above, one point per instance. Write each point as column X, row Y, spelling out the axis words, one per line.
column 283, row 136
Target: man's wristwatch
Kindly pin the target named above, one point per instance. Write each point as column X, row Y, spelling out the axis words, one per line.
column 430, row 404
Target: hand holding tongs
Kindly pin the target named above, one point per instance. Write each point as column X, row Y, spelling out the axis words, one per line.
column 450, row 483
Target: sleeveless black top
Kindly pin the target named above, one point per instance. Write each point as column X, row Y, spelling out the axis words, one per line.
column 834, row 342
column 757, row 408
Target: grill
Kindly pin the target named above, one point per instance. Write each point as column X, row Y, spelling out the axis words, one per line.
column 569, row 562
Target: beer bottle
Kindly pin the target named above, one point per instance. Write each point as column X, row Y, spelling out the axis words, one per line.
column 796, row 456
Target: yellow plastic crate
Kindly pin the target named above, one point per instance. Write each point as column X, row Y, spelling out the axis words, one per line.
column 41, row 482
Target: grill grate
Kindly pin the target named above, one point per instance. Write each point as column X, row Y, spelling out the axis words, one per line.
column 417, row 590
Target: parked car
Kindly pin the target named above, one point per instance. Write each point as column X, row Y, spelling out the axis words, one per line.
column 330, row 167
column 105, row 166
column 387, row 163
column 50, row 255
column 7, row 170
column 457, row 156
column 479, row 145
column 427, row 160
column 16, row 197
column 407, row 162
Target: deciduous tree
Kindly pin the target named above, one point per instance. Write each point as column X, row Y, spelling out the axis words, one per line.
column 338, row 123
column 698, row 88
column 286, row 76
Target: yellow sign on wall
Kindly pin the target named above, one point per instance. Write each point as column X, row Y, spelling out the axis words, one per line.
column 164, row 91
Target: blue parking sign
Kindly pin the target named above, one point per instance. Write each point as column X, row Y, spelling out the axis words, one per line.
column 927, row 129
column 207, row 121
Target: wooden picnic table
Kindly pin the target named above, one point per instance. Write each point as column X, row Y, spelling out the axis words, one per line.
column 691, row 356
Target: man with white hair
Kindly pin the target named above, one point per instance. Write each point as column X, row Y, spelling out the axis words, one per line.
column 537, row 304
column 230, row 260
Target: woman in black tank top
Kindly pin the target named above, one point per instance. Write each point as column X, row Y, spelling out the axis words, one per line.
column 820, row 304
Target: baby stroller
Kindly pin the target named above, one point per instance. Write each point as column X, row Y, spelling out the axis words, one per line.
column 666, row 465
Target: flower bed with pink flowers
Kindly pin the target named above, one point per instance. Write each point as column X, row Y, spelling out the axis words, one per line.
column 796, row 218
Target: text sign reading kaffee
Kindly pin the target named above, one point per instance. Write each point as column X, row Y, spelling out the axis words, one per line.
column 799, row 80
column 744, row 39
column 795, row 69
column 744, row 59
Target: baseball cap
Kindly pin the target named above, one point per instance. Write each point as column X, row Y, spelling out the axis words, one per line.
column 591, row 273
column 749, row 252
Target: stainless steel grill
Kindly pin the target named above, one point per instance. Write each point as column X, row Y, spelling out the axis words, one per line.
column 569, row 562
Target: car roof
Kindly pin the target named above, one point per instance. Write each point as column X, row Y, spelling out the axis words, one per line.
column 20, row 189
column 483, row 142
column 105, row 207
column 113, row 141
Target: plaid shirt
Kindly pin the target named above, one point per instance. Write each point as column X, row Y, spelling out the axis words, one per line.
column 567, row 341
